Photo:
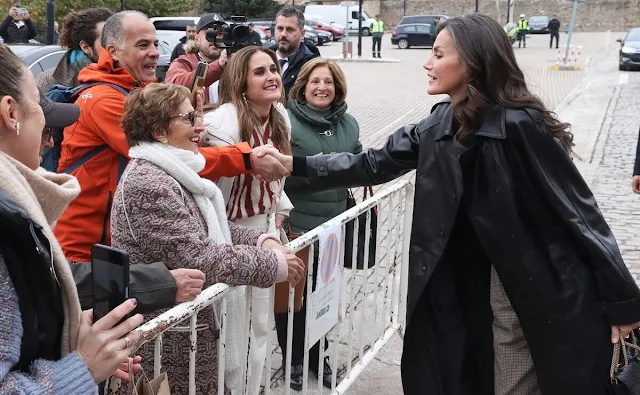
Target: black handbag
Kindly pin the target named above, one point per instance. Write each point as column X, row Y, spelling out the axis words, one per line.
column 362, row 226
column 625, row 378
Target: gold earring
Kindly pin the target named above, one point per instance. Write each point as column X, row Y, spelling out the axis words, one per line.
column 244, row 96
column 165, row 142
column 18, row 129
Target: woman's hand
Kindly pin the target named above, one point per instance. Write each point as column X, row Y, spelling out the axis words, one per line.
column 296, row 269
column 272, row 244
column 279, row 220
column 104, row 345
column 619, row 332
column 200, row 97
column 123, row 372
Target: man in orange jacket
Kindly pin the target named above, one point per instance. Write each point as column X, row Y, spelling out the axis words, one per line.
column 94, row 149
column 183, row 69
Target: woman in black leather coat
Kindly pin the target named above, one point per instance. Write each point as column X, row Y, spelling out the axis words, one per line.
column 516, row 283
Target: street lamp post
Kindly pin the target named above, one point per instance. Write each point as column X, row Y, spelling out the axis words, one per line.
column 50, row 22
column 571, row 26
column 121, row 5
column 476, row 5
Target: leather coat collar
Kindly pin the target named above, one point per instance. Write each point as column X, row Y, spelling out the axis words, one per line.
column 493, row 124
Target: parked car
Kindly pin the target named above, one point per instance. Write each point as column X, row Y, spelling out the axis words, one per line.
column 538, row 24
column 428, row 19
column 164, row 61
column 323, row 36
column 172, row 29
column 317, row 24
column 334, row 25
column 412, row 35
column 311, row 38
column 39, row 58
column 630, row 50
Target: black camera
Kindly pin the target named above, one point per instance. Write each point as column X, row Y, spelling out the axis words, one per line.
column 230, row 36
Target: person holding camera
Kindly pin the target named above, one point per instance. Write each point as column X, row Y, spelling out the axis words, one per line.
column 17, row 27
column 183, row 70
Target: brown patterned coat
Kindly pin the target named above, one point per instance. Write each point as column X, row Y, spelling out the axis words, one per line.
column 168, row 227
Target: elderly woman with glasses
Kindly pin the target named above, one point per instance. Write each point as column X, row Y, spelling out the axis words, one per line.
column 164, row 211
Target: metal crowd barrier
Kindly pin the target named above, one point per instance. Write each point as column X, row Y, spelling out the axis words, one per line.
column 373, row 300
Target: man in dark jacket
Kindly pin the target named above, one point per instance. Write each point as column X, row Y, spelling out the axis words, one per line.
column 17, row 27
column 291, row 53
column 254, row 36
column 179, row 49
column 554, row 31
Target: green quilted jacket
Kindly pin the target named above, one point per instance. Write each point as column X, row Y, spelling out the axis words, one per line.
column 311, row 135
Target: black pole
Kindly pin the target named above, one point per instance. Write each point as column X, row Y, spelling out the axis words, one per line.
column 121, row 5
column 476, row 5
column 404, row 8
column 359, row 28
column 508, row 10
column 50, row 21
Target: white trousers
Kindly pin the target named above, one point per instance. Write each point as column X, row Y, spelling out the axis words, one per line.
column 259, row 312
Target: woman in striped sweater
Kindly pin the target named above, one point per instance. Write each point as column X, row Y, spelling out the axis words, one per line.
column 251, row 110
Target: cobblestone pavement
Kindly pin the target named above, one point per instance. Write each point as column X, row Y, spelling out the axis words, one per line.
column 385, row 96
column 612, row 168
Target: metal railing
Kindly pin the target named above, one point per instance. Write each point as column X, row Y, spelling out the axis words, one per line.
column 373, row 300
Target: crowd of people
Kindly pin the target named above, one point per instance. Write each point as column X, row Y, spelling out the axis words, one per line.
column 516, row 284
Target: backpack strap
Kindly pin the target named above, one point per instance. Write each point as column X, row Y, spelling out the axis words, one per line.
column 78, row 89
column 122, row 161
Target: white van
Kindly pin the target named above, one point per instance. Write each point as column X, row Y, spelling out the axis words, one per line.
column 343, row 15
column 172, row 29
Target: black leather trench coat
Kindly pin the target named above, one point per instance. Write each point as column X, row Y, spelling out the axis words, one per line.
column 536, row 222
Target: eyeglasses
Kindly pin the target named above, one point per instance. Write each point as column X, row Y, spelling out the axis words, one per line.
column 46, row 133
column 190, row 117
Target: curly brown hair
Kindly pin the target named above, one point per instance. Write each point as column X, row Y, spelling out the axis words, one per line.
column 81, row 26
column 493, row 75
column 148, row 111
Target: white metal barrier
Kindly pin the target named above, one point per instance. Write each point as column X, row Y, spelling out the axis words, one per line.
column 376, row 298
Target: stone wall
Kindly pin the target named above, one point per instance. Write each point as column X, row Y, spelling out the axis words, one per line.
column 593, row 15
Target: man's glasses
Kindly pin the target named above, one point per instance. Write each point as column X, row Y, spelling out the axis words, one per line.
column 191, row 117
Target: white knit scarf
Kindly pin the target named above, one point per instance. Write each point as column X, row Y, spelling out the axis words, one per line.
column 184, row 166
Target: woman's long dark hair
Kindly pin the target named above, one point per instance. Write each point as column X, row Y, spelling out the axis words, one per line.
column 493, row 75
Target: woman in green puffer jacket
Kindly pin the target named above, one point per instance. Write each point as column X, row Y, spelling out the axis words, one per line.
column 319, row 125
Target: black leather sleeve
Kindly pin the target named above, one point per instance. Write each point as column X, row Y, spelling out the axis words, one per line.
column 636, row 165
column 371, row 167
column 569, row 196
column 151, row 285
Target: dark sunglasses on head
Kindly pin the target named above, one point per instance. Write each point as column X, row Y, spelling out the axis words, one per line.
column 190, row 116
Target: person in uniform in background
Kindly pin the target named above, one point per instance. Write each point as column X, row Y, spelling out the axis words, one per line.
column 523, row 29
column 377, row 31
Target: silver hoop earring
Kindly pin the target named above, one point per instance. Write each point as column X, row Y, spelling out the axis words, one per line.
column 18, row 129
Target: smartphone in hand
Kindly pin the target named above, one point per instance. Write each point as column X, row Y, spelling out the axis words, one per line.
column 110, row 279
column 198, row 80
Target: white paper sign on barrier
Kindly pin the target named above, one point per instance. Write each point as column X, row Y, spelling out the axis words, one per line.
column 325, row 300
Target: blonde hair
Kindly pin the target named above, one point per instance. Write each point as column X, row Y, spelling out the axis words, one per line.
column 297, row 92
column 233, row 85
column 149, row 110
